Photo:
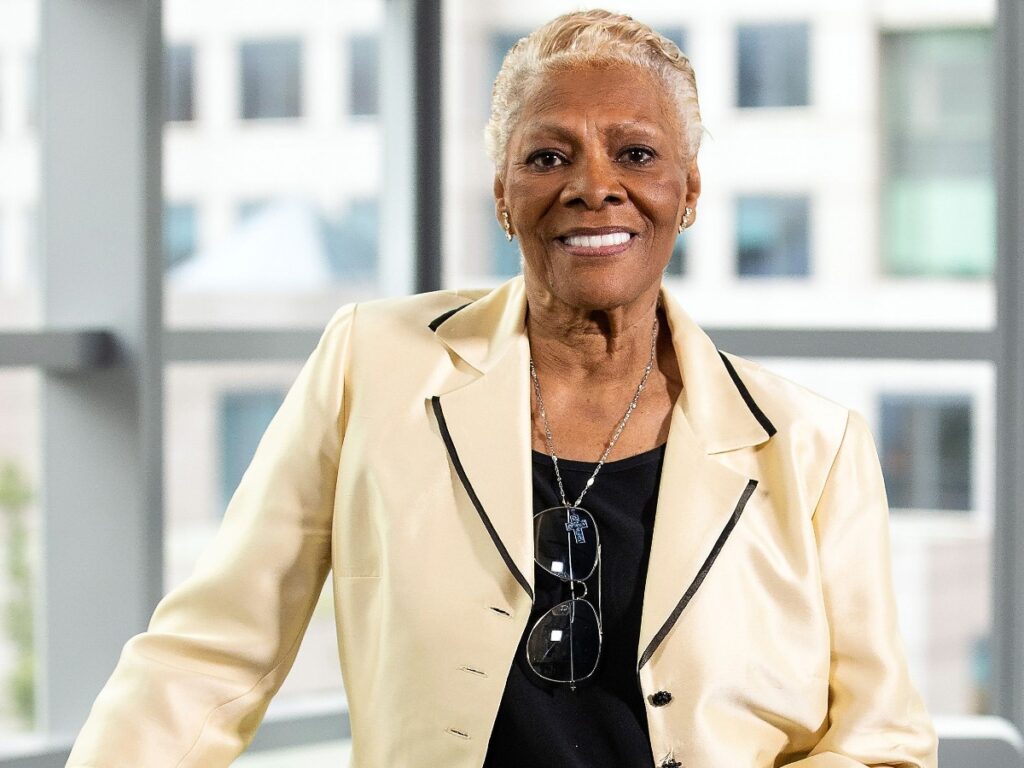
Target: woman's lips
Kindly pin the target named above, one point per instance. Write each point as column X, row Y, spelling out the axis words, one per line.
column 603, row 244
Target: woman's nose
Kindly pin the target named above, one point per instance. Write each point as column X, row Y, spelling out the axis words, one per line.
column 593, row 183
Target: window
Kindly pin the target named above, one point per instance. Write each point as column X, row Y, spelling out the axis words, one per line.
column 179, row 85
column 773, row 69
column 364, row 81
column 179, row 233
column 247, row 209
column 939, row 191
column 926, row 445
column 353, row 241
column 244, row 417
column 773, row 236
column 271, row 79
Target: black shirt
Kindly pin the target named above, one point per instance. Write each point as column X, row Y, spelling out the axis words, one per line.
column 603, row 724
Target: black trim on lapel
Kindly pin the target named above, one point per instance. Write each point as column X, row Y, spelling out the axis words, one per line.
column 745, row 394
column 699, row 579
column 437, row 321
column 457, row 463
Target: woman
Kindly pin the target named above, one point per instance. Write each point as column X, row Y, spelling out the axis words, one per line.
column 704, row 579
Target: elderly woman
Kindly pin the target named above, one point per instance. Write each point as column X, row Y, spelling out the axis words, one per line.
column 563, row 528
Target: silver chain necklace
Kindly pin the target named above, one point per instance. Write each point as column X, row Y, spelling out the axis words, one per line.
column 618, row 429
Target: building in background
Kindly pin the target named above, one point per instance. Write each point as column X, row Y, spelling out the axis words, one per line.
column 847, row 182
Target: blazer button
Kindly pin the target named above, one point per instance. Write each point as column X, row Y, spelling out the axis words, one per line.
column 660, row 699
column 671, row 764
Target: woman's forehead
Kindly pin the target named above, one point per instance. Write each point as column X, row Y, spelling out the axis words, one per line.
column 621, row 99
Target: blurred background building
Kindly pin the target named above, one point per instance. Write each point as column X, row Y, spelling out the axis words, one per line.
column 848, row 184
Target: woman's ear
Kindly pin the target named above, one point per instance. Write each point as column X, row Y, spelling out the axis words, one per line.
column 499, row 198
column 692, row 184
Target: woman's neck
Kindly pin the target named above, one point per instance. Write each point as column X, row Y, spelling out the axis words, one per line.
column 591, row 346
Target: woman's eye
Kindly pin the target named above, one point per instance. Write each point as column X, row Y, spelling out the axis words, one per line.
column 638, row 155
column 546, row 160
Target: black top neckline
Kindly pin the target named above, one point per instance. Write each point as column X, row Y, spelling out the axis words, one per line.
column 571, row 465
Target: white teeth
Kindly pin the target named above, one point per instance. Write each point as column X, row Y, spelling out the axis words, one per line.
column 597, row 241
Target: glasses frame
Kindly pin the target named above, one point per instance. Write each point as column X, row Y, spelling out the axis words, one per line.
column 574, row 598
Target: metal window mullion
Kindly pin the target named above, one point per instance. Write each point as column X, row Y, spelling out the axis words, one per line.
column 1008, row 568
column 100, row 511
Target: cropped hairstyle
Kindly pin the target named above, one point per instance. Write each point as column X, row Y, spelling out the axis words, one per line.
column 582, row 39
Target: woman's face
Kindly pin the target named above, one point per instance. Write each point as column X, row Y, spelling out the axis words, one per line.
column 596, row 182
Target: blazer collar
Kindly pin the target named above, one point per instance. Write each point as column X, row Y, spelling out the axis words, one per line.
column 719, row 408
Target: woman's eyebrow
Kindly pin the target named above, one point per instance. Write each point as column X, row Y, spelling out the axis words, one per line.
column 539, row 131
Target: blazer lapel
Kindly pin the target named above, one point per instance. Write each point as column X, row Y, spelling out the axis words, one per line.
column 700, row 499
column 485, row 424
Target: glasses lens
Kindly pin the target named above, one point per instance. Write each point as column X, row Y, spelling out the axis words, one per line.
column 565, row 643
column 565, row 542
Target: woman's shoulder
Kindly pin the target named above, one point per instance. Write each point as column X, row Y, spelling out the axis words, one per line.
column 793, row 408
column 417, row 312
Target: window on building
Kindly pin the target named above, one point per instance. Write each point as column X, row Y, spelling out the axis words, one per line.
column 926, row 450
column 180, row 233
column 773, row 236
column 353, row 240
column 364, row 84
column 244, row 417
column 773, row 65
column 250, row 208
column 271, row 79
column 939, row 205
column 179, row 83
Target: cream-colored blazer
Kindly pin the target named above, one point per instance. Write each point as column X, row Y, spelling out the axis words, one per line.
column 400, row 462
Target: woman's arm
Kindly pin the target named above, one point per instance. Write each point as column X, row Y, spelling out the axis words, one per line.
column 192, row 690
column 876, row 716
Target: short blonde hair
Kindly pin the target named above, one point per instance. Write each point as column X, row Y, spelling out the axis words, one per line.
column 590, row 38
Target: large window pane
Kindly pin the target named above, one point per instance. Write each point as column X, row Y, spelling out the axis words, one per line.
column 215, row 415
column 19, row 164
column 20, row 496
column 938, row 89
column 273, row 215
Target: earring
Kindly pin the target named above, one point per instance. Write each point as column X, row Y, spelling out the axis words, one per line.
column 687, row 213
column 508, row 225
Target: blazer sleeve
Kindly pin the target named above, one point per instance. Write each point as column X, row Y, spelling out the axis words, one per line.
column 191, row 691
column 876, row 716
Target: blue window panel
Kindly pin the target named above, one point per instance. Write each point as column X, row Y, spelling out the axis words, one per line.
column 926, row 450
column 244, row 417
column 180, row 233
column 773, row 65
column 939, row 200
column 364, row 90
column 353, row 241
column 179, row 83
column 271, row 79
column 773, row 236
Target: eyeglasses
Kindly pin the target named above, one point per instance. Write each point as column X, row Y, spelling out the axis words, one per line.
column 564, row 644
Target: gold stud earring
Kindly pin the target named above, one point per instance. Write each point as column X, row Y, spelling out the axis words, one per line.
column 508, row 225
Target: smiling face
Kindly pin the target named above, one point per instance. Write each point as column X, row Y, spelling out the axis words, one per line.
column 596, row 183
